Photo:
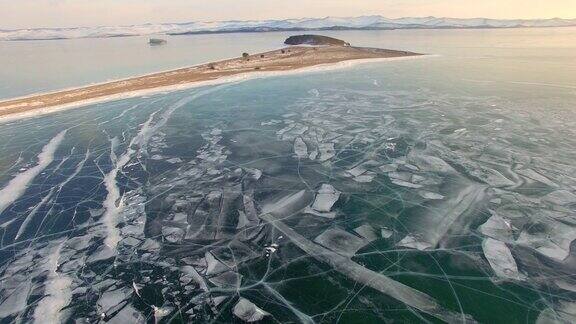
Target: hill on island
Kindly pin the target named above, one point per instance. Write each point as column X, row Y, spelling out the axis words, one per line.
column 314, row 40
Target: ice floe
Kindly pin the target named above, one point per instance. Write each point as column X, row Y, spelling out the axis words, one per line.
column 300, row 148
column 341, row 241
column 500, row 259
column 561, row 197
column 248, row 311
column 497, row 228
column 326, row 197
column 367, row 232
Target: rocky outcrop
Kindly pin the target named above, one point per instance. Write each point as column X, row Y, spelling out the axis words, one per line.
column 315, row 40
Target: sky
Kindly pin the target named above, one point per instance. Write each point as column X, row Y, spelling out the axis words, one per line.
column 71, row 13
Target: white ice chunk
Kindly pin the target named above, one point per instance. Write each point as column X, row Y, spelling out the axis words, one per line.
column 300, row 148
column 565, row 285
column 161, row 312
column 500, row 259
column 389, row 168
column 529, row 173
column 228, row 279
column 449, row 218
column 366, row 177
column 313, row 155
column 561, row 197
column 78, row 243
column 214, row 265
column 386, row 232
column 175, row 160
column 102, row 253
column 242, row 220
column 414, row 243
column 250, row 210
column 219, row 300
column 430, row 195
column 326, row 197
column 326, row 151
column 554, row 242
column 492, row 177
column 288, row 204
column 134, row 230
column 366, row 231
column 404, row 176
column 150, row 245
column 357, row 171
column 270, row 122
column 330, row 215
column 180, row 218
column 248, row 312
column 406, row 184
column 418, row 179
column 256, row 174
column 110, row 300
column 190, row 274
column 429, row 163
column 130, row 241
column 173, row 234
column 497, row 228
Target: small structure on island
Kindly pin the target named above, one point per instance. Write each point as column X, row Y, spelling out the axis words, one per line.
column 157, row 41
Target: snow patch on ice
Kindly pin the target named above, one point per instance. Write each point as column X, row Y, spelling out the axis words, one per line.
column 16, row 187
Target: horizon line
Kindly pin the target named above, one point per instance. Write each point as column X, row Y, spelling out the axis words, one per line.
column 280, row 19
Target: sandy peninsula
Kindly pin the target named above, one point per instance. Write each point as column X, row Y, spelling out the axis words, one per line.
column 286, row 59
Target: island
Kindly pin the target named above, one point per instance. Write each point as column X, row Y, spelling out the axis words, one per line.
column 285, row 59
column 157, row 41
column 316, row 40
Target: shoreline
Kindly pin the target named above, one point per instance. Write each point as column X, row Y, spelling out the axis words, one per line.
column 287, row 61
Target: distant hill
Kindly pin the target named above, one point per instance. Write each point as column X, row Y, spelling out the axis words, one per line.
column 306, row 24
column 314, row 40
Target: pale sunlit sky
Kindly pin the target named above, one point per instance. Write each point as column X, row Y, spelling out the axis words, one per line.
column 70, row 13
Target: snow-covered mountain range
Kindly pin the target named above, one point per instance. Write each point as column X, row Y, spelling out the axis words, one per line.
column 328, row 23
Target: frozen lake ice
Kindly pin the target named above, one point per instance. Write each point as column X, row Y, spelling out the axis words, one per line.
column 433, row 190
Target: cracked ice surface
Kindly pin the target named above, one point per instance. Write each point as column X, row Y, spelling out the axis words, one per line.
column 392, row 205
